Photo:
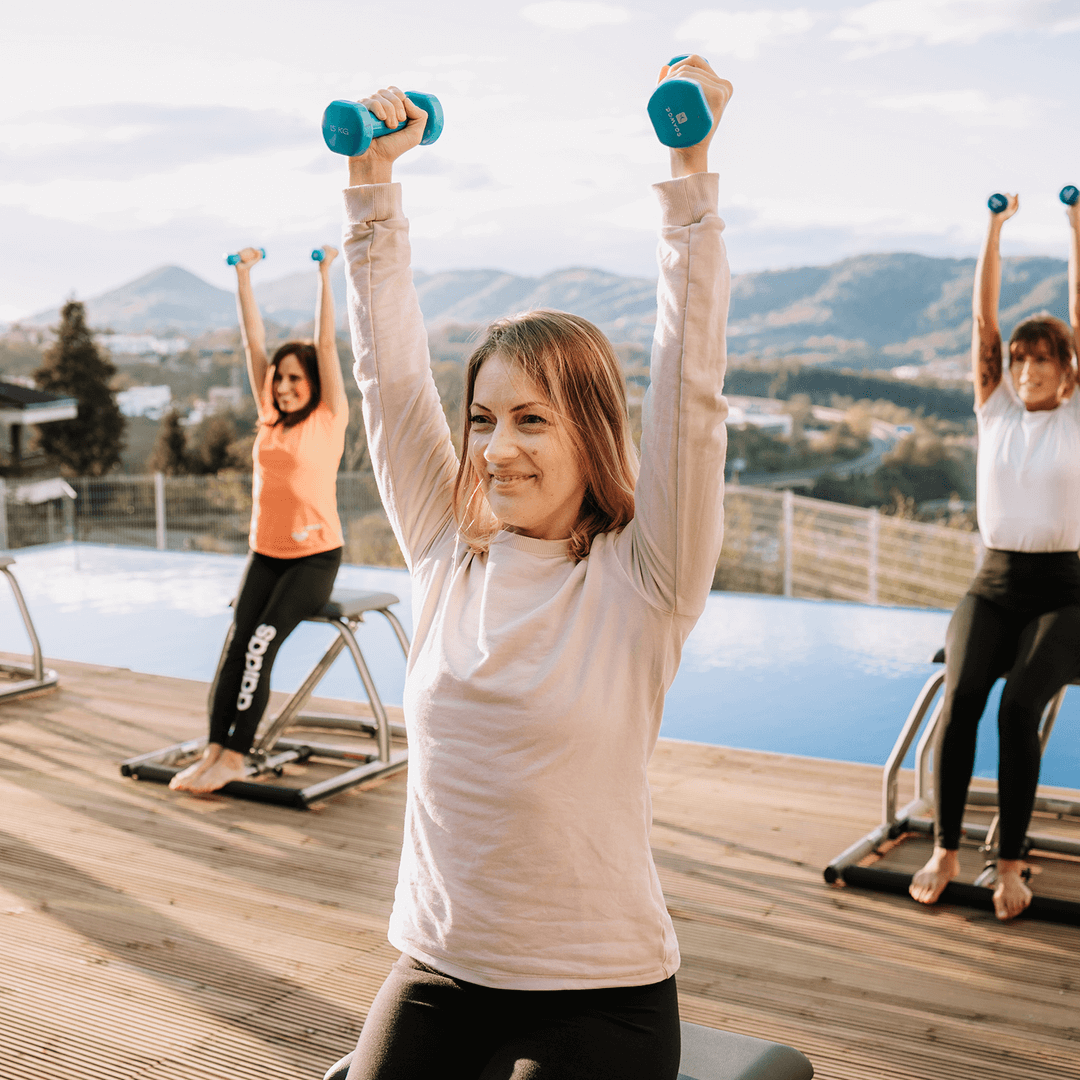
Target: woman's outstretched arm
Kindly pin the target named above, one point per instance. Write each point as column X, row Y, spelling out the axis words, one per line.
column 408, row 436
column 985, row 333
column 1073, row 214
column 333, row 385
column 678, row 514
column 252, row 331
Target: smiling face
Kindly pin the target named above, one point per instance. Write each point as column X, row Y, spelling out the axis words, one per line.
column 523, row 454
column 291, row 388
column 1038, row 376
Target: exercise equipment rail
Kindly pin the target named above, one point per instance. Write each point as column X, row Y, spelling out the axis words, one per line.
column 916, row 818
column 278, row 743
column 35, row 676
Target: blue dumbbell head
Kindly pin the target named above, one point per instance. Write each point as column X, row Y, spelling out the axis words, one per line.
column 678, row 110
column 348, row 127
column 997, row 203
column 1069, row 194
column 232, row 260
column 318, row 255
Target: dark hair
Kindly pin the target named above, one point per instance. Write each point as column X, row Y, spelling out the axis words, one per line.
column 574, row 364
column 1045, row 327
column 309, row 361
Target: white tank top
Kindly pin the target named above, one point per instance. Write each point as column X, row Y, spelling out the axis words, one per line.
column 1028, row 473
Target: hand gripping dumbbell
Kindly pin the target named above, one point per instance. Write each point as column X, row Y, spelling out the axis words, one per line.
column 997, row 203
column 318, row 255
column 348, row 128
column 678, row 110
column 232, row 260
column 1069, row 194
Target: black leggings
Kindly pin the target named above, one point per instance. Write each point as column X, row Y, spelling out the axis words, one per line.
column 1038, row 654
column 426, row 1024
column 276, row 595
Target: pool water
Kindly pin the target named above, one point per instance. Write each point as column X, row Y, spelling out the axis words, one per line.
column 820, row 679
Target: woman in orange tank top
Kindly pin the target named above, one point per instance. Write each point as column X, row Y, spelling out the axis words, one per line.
column 295, row 534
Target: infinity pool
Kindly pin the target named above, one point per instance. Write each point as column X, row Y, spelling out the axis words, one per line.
column 825, row 680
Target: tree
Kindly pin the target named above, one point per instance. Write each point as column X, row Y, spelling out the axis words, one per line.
column 215, row 445
column 170, row 455
column 89, row 445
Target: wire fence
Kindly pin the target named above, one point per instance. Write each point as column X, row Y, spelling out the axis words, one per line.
column 774, row 542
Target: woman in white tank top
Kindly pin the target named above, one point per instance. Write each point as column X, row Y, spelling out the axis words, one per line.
column 1021, row 616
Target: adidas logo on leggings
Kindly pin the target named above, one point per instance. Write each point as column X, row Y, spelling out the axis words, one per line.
column 253, row 659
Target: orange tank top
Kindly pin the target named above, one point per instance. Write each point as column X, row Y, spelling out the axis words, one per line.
column 294, row 486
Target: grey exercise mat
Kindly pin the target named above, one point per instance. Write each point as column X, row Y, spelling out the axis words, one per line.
column 708, row 1054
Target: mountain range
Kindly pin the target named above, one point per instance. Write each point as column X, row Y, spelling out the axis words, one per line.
column 868, row 311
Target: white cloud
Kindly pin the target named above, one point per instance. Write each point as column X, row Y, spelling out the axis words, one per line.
column 885, row 25
column 972, row 107
column 742, row 34
column 574, row 14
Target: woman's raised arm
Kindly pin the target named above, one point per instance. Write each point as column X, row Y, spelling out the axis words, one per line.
column 678, row 520
column 252, row 332
column 409, row 440
column 985, row 332
column 1073, row 214
column 333, row 385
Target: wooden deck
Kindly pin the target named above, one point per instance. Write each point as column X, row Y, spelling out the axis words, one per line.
column 148, row 936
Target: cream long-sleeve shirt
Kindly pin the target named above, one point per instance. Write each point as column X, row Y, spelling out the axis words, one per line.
column 535, row 686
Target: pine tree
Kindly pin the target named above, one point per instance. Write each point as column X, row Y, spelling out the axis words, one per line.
column 89, row 445
column 170, row 454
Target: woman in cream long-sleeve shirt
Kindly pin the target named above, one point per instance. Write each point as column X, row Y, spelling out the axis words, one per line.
column 555, row 582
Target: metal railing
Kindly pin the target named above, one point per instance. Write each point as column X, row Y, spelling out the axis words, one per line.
column 775, row 542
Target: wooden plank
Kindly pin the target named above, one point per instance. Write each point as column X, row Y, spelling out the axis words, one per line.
column 150, row 936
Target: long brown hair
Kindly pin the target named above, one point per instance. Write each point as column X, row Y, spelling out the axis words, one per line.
column 576, row 367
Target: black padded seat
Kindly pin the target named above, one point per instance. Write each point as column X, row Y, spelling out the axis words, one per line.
column 352, row 603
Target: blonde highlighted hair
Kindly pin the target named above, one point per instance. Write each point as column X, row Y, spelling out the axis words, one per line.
column 573, row 363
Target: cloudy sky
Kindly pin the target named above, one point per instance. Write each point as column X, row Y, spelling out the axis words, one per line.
column 134, row 135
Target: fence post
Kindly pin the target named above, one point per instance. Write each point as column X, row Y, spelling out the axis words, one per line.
column 789, row 539
column 3, row 515
column 874, row 522
column 159, row 509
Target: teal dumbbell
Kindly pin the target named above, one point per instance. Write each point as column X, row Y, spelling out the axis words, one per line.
column 232, row 260
column 318, row 255
column 678, row 110
column 348, row 128
column 997, row 203
column 1069, row 194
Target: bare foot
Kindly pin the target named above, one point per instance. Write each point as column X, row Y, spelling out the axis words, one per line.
column 181, row 780
column 929, row 883
column 228, row 767
column 1011, row 894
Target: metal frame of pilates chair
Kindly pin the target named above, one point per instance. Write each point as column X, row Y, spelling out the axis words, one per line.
column 35, row 676
column 916, row 819
column 283, row 740
column 709, row 1054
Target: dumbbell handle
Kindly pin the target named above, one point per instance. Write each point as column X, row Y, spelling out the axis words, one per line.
column 348, row 127
column 678, row 110
column 233, row 259
column 1069, row 194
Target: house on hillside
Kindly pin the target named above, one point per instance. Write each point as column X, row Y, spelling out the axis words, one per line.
column 21, row 406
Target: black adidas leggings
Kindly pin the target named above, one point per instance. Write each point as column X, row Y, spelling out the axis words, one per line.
column 1038, row 654
column 276, row 595
column 426, row 1024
